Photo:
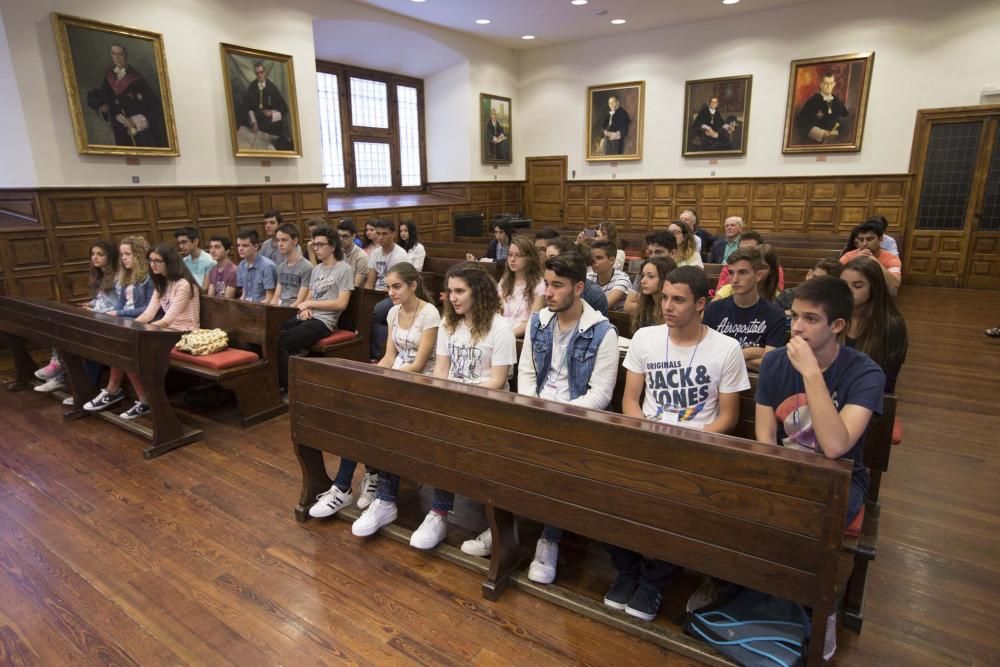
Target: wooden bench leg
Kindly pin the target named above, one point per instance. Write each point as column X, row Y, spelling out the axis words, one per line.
column 504, row 557
column 24, row 365
column 81, row 387
column 315, row 479
column 168, row 432
column 257, row 397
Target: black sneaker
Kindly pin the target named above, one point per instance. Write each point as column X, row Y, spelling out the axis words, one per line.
column 645, row 604
column 621, row 591
column 136, row 411
column 103, row 400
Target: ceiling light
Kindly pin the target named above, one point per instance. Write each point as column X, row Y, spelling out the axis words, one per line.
column 419, row 0
column 729, row 2
column 527, row 36
column 483, row 21
column 578, row 2
column 617, row 21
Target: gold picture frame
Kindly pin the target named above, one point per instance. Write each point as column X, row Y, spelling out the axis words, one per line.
column 496, row 142
column 263, row 121
column 827, row 103
column 721, row 130
column 610, row 136
column 117, row 87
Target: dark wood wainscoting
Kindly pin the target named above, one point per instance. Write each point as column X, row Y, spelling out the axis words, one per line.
column 45, row 234
column 829, row 204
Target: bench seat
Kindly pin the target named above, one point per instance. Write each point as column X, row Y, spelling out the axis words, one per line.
column 218, row 361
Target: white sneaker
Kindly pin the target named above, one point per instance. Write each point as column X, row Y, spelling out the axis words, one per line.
column 543, row 568
column 830, row 642
column 51, row 384
column 369, row 487
column 431, row 531
column 48, row 372
column 330, row 502
column 68, row 401
column 103, row 400
column 707, row 593
column 481, row 546
column 137, row 410
column 379, row 513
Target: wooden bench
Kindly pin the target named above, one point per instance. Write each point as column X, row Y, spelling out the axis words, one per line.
column 251, row 376
column 80, row 334
column 350, row 340
column 761, row 516
column 440, row 264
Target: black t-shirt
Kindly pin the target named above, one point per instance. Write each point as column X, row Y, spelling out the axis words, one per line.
column 761, row 325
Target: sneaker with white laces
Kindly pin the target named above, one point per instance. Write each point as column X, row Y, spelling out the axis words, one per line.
column 481, row 546
column 543, row 568
column 330, row 502
column 431, row 532
column 369, row 487
column 137, row 410
column 52, row 384
column 68, row 401
column 103, row 400
column 379, row 513
column 48, row 372
column 830, row 641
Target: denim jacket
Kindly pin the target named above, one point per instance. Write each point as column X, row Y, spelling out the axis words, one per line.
column 141, row 294
column 588, row 354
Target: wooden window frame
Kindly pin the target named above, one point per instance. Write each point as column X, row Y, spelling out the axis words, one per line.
column 351, row 133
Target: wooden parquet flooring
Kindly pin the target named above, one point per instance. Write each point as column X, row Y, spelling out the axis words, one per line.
column 195, row 558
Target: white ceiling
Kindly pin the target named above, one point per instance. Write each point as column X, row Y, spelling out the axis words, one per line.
column 557, row 21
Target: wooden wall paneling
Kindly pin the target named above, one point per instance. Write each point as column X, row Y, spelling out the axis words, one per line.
column 19, row 211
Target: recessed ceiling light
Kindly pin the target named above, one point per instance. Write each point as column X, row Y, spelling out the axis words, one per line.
column 617, row 21
column 419, row 0
column 729, row 2
column 483, row 21
column 527, row 36
column 578, row 2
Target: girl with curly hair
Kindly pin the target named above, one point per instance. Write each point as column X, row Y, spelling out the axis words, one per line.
column 522, row 287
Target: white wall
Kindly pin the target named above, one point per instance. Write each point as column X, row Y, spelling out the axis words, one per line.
column 928, row 53
column 17, row 165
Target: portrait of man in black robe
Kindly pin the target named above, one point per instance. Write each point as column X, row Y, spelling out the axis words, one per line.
column 710, row 131
column 263, row 109
column 497, row 139
column 614, row 129
column 823, row 118
column 127, row 102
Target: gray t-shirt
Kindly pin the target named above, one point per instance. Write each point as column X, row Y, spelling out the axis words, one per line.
column 326, row 284
column 382, row 263
column 292, row 278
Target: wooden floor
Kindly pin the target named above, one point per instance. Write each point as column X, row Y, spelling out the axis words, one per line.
column 195, row 558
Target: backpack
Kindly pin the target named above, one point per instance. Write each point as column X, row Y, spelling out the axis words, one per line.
column 753, row 629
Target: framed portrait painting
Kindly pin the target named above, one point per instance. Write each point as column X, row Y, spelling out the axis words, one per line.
column 717, row 116
column 827, row 102
column 260, row 96
column 495, row 121
column 117, row 86
column 614, row 121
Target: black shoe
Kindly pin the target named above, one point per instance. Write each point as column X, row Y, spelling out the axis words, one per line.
column 621, row 591
column 645, row 604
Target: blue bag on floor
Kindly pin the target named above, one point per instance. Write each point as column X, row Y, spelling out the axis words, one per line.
column 754, row 629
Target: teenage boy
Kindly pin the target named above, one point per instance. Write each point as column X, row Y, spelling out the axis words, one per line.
column 294, row 271
column 756, row 323
column 692, row 377
column 383, row 258
column 312, row 224
column 888, row 243
column 256, row 275
column 870, row 243
column 748, row 239
column 329, row 291
column 353, row 254
column 221, row 279
column 543, row 238
column 269, row 248
column 613, row 282
column 658, row 244
column 547, row 369
column 195, row 259
column 817, row 395
column 824, row 267
column 728, row 243
column 592, row 294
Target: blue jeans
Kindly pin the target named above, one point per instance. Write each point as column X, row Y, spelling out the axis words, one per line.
column 380, row 328
column 388, row 491
column 653, row 571
column 345, row 474
column 552, row 533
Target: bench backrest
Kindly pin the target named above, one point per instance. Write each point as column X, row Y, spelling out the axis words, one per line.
column 440, row 264
column 760, row 516
column 246, row 322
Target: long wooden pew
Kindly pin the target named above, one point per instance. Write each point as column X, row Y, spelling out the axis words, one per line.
column 80, row 334
column 760, row 516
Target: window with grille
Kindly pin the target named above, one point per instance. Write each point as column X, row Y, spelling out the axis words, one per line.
column 372, row 129
column 951, row 157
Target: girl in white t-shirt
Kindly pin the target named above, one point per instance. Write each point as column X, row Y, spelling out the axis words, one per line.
column 413, row 329
column 522, row 287
column 475, row 345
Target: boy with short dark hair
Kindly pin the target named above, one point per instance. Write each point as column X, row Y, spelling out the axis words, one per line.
column 197, row 261
column 294, row 270
column 353, row 254
column 256, row 275
column 269, row 248
column 221, row 278
column 387, row 255
column 869, row 241
column 613, row 282
column 592, row 294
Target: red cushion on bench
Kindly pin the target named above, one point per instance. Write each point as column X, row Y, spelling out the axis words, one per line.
column 897, row 431
column 220, row 360
column 338, row 336
column 854, row 529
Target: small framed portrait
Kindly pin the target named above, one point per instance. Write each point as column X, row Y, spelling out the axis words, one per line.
column 117, row 86
column 260, row 96
column 614, row 121
column 717, row 116
column 495, row 119
column 827, row 102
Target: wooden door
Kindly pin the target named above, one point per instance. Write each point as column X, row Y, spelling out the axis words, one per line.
column 953, row 230
column 545, row 191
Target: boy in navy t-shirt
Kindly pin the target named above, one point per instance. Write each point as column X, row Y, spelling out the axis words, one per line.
column 758, row 324
column 815, row 394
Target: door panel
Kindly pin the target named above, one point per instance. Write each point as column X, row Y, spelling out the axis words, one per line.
column 984, row 257
column 545, row 191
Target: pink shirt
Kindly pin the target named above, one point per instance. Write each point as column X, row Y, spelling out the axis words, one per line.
column 180, row 304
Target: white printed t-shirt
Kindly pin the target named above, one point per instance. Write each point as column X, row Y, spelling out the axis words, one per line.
column 407, row 341
column 382, row 263
column 683, row 383
column 516, row 309
column 471, row 362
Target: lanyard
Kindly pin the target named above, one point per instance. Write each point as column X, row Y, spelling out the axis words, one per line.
column 660, row 407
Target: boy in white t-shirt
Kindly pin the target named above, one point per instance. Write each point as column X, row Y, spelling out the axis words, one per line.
column 692, row 376
column 386, row 255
